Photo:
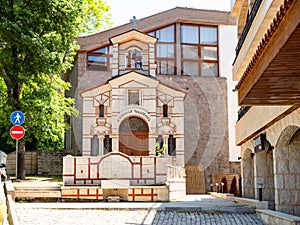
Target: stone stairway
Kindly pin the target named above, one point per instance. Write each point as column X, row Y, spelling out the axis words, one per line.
column 37, row 192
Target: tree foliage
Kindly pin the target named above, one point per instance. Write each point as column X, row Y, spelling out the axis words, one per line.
column 37, row 44
column 95, row 17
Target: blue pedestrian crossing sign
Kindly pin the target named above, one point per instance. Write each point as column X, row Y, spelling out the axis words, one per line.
column 17, row 118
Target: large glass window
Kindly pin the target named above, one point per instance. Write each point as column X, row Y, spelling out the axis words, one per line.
column 166, row 34
column 189, row 52
column 165, row 49
column 189, row 34
column 165, row 67
column 208, row 35
column 190, row 68
column 100, row 59
column 199, row 50
column 209, row 53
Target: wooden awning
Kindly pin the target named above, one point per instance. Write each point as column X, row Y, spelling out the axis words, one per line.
column 273, row 75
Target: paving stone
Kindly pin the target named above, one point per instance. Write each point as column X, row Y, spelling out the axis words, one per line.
column 35, row 216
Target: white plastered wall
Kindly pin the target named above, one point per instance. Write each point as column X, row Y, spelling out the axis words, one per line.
column 227, row 44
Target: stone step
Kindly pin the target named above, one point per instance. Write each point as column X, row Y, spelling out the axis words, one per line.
column 30, row 194
column 37, row 188
column 114, row 198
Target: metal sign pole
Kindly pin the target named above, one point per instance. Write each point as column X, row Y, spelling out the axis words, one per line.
column 17, row 147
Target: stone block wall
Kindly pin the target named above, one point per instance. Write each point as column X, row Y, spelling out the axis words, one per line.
column 217, row 179
column 41, row 162
column 50, row 162
column 277, row 168
column 30, row 163
column 205, row 122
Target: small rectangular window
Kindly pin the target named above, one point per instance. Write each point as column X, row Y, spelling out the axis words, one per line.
column 171, row 145
column 165, row 110
column 107, row 144
column 101, row 111
column 133, row 97
column 95, row 146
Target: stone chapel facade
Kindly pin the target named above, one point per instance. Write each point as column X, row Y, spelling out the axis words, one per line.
column 162, row 85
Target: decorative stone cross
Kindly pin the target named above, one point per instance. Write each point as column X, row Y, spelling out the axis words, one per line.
column 134, row 22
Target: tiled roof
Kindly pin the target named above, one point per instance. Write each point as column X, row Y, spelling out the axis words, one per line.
column 178, row 14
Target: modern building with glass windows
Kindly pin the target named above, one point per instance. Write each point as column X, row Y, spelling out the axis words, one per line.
column 156, row 93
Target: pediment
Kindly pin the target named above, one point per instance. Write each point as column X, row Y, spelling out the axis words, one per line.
column 133, row 84
column 133, row 35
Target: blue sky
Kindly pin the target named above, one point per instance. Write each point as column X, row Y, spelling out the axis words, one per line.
column 123, row 10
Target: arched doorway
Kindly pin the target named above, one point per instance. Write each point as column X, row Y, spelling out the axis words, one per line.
column 265, row 175
column 287, row 172
column 133, row 137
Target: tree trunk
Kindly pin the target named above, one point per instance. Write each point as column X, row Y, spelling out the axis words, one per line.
column 21, row 160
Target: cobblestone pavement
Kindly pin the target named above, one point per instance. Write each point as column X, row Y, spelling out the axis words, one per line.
column 41, row 216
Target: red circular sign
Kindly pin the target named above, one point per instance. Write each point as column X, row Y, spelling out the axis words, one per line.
column 17, row 132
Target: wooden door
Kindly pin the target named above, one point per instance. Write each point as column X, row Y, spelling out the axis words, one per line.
column 195, row 181
column 133, row 137
column 134, row 143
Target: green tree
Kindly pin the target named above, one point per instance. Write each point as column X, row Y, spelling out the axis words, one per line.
column 37, row 43
column 95, row 16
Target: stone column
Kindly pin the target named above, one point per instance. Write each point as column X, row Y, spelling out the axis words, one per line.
column 152, row 143
column 101, row 150
column 165, row 138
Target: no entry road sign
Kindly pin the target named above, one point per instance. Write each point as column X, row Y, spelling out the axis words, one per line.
column 17, row 132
